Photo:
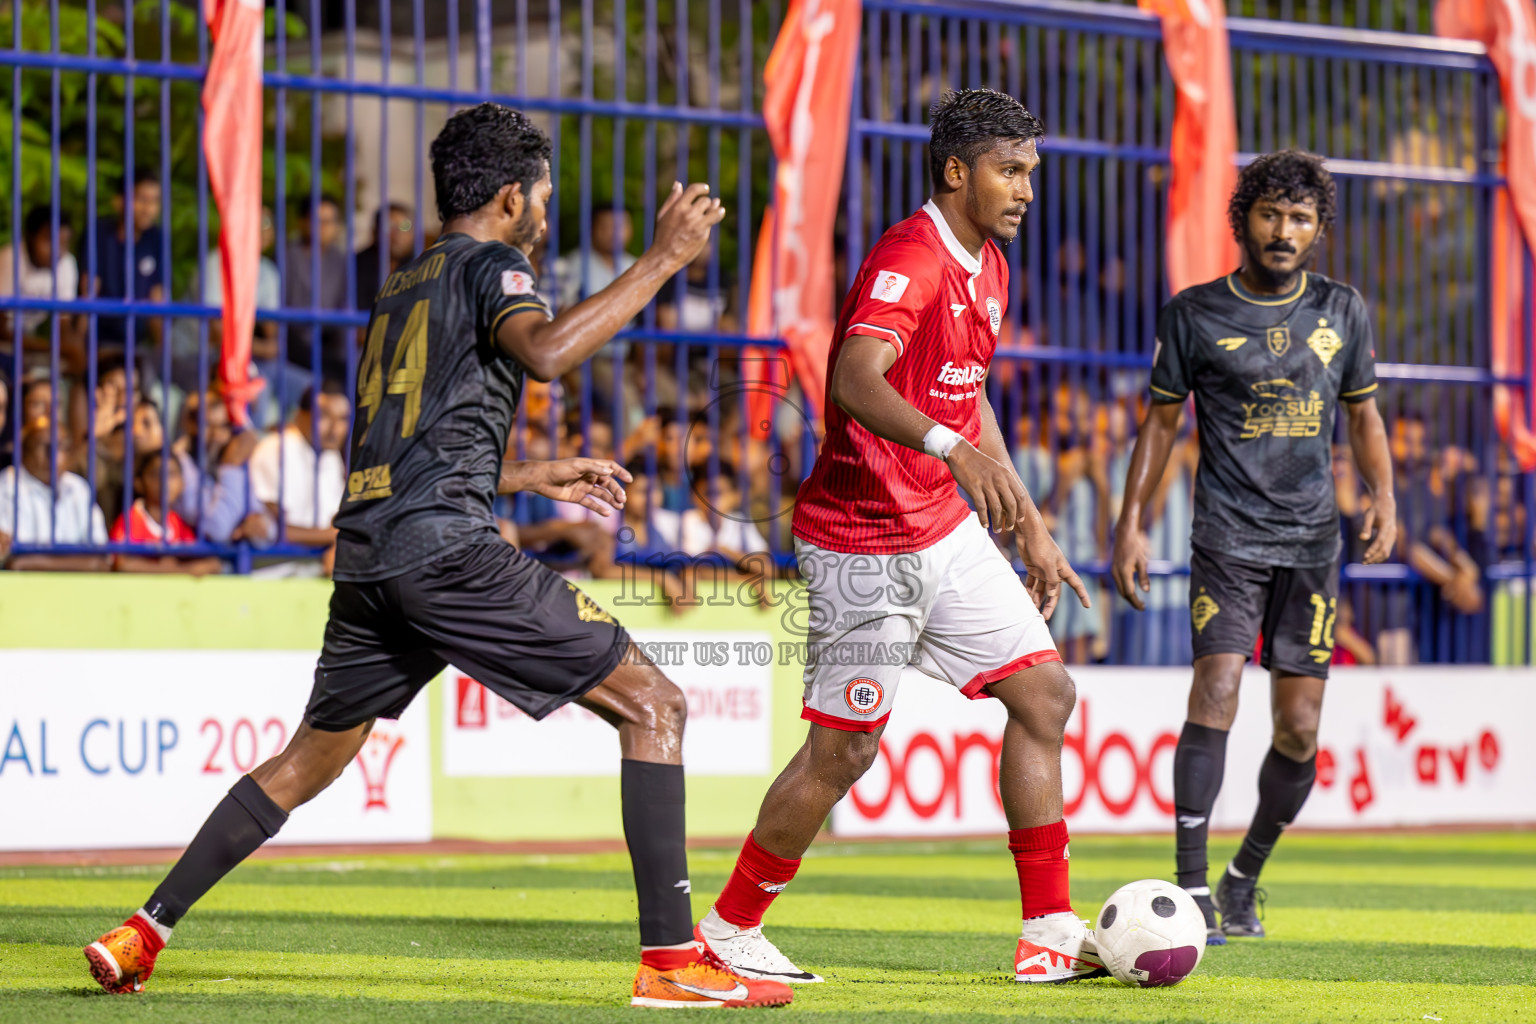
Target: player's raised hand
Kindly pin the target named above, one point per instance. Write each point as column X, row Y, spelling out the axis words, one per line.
column 1128, row 564
column 596, row 484
column 1048, row 568
column 993, row 487
column 1381, row 519
column 684, row 223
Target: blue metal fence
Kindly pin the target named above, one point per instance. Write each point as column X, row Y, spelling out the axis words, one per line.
column 634, row 94
column 1406, row 122
column 654, row 90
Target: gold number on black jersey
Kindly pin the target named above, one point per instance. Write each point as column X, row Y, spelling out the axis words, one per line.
column 370, row 391
column 407, row 369
column 1324, row 611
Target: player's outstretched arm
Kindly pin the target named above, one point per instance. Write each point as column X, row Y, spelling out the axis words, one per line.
column 596, row 484
column 1368, row 442
column 549, row 348
column 1048, row 567
column 1154, row 442
column 860, row 389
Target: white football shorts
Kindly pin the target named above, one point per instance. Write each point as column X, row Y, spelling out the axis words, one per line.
column 956, row 611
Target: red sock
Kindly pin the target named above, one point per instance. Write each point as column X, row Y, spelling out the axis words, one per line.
column 758, row 878
column 669, row 959
column 153, row 943
column 1040, row 854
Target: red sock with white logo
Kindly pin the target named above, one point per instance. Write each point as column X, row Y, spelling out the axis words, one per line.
column 759, row 877
column 1040, row 854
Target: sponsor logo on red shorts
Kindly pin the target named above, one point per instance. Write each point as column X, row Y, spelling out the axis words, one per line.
column 863, row 696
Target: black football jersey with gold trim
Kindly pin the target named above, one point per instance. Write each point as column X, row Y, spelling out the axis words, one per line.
column 1267, row 374
column 435, row 403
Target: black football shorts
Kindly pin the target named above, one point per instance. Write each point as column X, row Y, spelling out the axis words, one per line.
column 513, row 624
column 1232, row 603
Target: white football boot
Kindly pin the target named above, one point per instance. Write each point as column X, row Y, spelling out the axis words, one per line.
column 1056, row 947
column 747, row 952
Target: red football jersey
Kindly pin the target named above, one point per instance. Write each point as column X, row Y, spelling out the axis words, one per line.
column 941, row 309
column 137, row 527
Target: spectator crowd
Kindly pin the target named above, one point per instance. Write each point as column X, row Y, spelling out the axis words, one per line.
column 119, row 439
column 114, row 437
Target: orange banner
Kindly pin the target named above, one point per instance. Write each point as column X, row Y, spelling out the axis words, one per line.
column 232, row 143
column 1508, row 29
column 1510, row 342
column 809, row 78
column 1200, row 244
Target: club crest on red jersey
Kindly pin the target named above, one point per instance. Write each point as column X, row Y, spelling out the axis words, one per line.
column 863, row 696
column 994, row 315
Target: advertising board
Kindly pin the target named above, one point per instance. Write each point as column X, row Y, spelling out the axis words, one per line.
column 125, row 748
column 1396, row 747
column 729, row 703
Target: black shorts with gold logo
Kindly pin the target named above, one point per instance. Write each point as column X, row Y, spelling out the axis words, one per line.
column 1232, row 603
column 513, row 624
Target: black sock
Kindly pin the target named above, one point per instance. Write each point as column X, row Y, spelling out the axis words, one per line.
column 1283, row 788
column 655, row 831
column 241, row 822
column 1198, row 764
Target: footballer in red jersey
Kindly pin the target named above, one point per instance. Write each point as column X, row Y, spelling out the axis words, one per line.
column 900, row 571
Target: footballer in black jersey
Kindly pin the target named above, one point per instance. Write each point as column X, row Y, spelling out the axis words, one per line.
column 424, row 579
column 1269, row 353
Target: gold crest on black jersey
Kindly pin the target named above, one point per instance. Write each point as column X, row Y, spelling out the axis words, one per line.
column 1264, row 489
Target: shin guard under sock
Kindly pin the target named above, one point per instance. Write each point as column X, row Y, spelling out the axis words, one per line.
column 655, row 830
column 1040, row 855
column 667, row 958
column 1283, row 788
column 1198, row 764
column 759, row 877
column 242, row 821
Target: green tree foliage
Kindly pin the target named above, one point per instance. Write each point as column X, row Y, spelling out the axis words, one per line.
column 608, row 178
column 164, row 114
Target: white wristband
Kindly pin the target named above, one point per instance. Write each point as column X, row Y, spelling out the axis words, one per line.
column 940, row 441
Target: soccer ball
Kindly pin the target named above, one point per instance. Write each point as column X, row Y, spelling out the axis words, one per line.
column 1150, row 933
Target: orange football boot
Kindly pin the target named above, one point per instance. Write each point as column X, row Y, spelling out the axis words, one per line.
column 705, row 982
column 123, row 959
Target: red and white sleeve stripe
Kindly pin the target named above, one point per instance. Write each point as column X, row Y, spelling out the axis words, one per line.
column 874, row 330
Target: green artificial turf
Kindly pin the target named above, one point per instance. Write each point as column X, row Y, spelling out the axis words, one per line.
column 1363, row 928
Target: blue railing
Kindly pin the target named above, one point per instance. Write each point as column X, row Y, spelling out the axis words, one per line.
column 1406, row 123
column 634, row 94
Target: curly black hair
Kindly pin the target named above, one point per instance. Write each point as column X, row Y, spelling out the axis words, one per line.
column 1289, row 174
column 481, row 149
column 968, row 123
